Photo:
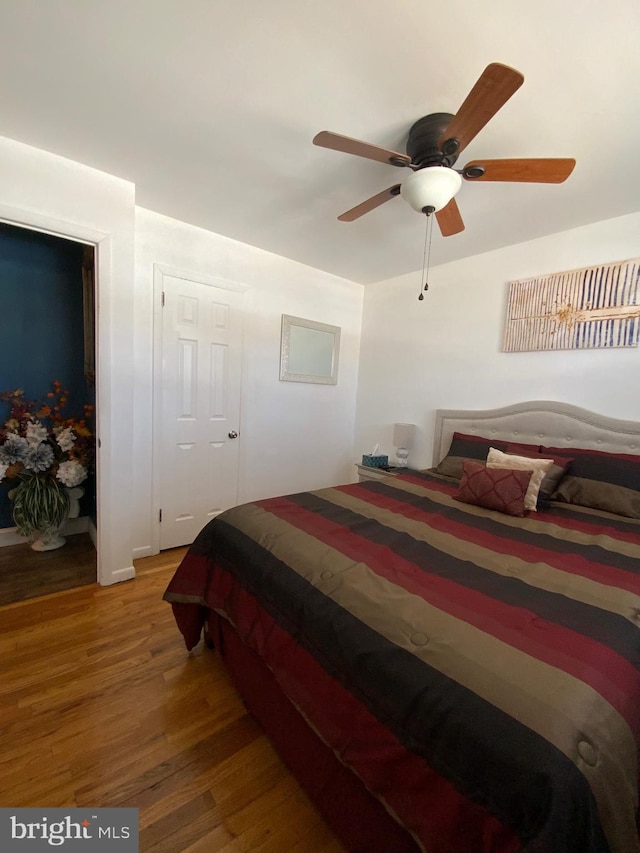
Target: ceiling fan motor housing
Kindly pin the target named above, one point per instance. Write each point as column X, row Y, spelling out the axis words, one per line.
column 433, row 145
column 422, row 143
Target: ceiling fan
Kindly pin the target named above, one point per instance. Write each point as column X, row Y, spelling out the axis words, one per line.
column 434, row 144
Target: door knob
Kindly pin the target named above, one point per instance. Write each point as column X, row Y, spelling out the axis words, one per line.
column 233, row 434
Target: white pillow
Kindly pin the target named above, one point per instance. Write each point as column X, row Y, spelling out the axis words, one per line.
column 539, row 467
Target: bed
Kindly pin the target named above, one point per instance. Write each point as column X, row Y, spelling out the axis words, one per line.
column 442, row 668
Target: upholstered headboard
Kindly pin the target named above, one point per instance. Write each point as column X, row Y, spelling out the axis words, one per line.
column 538, row 422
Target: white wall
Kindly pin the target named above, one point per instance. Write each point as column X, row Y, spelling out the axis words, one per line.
column 294, row 436
column 445, row 352
column 49, row 193
column 415, row 357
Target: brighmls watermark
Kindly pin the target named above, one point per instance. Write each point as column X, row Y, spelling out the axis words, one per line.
column 79, row 830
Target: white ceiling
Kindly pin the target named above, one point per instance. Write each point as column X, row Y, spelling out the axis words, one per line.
column 210, row 106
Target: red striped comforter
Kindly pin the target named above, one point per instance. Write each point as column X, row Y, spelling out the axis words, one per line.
column 479, row 672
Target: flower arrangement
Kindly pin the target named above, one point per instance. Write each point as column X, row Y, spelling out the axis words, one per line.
column 44, row 451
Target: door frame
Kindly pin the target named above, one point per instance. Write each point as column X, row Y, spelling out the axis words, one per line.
column 159, row 273
column 109, row 568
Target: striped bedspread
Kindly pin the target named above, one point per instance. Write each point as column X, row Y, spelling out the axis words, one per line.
column 478, row 672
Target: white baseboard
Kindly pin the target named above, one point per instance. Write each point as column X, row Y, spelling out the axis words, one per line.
column 10, row 535
column 118, row 576
column 142, row 551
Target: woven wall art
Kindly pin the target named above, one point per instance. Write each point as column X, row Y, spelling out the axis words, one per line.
column 579, row 309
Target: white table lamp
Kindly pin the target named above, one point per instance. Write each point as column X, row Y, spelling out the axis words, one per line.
column 402, row 441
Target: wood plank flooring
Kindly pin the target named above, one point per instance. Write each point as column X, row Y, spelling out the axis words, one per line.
column 26, row 574
column 101, row 705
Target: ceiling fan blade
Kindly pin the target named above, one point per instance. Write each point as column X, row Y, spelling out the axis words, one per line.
column 494, row 87
column 449, row 219
column 371, row 203
column 540, row 171
column 326, row 139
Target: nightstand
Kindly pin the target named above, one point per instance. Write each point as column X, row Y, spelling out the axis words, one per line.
column 367, row 472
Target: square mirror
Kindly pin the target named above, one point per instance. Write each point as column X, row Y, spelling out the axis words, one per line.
column 309, row 351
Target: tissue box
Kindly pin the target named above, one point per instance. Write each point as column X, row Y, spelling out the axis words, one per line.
column 375, row 461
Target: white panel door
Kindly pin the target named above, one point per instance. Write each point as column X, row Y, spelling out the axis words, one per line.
column 200, row 410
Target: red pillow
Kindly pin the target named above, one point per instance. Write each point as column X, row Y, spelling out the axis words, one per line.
column 522, row 449
column 501, row 489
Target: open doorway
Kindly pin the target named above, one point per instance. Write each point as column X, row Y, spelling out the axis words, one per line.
column 48, row 336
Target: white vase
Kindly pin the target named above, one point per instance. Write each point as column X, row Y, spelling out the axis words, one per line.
column 50, row 540
column 74, row 501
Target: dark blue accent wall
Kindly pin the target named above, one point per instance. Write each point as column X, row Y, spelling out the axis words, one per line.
column 41, row 322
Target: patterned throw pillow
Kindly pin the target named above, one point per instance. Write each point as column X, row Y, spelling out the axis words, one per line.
column 538, row 468
column 501, row 489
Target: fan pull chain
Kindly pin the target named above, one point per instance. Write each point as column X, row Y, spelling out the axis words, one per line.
column 426, row 259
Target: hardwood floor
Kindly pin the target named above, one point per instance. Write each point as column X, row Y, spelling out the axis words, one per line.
column 26, row 574
column 101, row 705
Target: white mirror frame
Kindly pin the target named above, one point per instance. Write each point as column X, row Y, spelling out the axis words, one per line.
column 309, row 351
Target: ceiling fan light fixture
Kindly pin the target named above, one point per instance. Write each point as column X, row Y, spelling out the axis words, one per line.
column 431, row 187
